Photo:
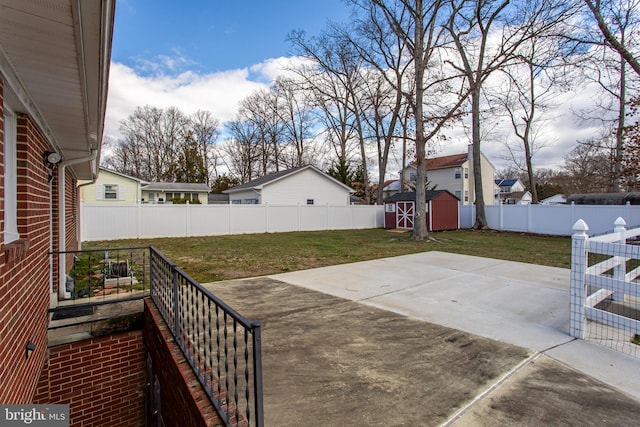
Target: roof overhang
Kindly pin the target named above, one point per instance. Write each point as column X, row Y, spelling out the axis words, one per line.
column 54, row 60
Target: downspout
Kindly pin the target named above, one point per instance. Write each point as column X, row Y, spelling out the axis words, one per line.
column 62, row 221
column 93, row 181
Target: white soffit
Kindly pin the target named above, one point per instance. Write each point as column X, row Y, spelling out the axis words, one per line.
column 55, row 58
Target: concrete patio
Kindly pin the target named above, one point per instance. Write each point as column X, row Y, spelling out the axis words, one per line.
column 430, row 339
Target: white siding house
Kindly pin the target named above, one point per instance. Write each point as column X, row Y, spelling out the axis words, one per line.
column 306, row 185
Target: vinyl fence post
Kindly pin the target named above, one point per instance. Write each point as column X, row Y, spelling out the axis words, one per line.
column 620, row 270
column 187, row 220
column 579, row 244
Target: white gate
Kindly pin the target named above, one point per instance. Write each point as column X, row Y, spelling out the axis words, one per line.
column 404, row 215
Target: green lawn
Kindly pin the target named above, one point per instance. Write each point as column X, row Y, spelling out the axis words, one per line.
column 209, row 259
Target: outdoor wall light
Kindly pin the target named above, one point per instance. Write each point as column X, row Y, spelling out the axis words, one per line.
column 51, row 158
column 30, row 348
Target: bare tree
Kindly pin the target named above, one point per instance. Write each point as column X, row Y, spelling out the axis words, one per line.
column 243, row 150
column 608, row 67
column 335, row 81
column 295, row 112
column 261, row 110
column 204, row 131
column 433, row 96
column 589, row 167
column 153, row 139
column 607, row 15
column 473, row 26
column 532, row 84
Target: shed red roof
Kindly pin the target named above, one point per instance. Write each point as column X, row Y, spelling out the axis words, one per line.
column 455, row 160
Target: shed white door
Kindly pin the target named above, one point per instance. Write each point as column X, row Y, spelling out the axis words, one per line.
column 404, row 215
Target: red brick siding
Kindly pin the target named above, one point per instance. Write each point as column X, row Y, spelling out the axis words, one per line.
column 102, row 380
column 183, row 400
column 24, row 270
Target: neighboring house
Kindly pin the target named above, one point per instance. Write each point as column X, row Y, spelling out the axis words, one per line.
column 54, row 69
column 305, row 185
column 558, row 199
column 166, row 192
column 511, row 192
column 112, row 187
column 632, row 198
column 390, row 188
column 454, row 173
column 218, row 199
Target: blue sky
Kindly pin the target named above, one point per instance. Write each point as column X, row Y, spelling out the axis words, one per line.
column 214, row 35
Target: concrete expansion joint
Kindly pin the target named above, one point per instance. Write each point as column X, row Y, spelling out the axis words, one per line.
column 491, row 388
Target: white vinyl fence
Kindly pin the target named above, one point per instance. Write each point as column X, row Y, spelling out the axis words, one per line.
column 111, row 222
column 551, row 219
column 605, row 291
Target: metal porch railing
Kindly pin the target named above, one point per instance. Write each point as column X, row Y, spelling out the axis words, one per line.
column 222, row 347
column 99, row 276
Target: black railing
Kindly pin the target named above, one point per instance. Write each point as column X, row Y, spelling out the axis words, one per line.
column 100, row 276
column 222, row 347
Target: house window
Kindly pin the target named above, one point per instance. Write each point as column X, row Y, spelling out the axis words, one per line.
column 236, row 202
column 250, row 202
column 110, row 192
column 466, row 196
column 10, row 178
column 458, row 173
column 466, row 173
column 458, row 194
column 310, row 201
column 170, row 196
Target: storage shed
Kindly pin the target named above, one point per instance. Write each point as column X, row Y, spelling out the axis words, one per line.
column 442, row 210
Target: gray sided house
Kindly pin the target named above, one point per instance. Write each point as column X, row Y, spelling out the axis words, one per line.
column 633, row 198
column 304, row 185
column 168, row 192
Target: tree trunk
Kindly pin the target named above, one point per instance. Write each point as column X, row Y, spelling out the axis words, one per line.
column 481, row 219
column 420, row 231
column 622, row 100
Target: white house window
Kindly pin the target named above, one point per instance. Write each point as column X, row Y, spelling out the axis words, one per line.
column 310, row 201
column 10, row 178
column 110, row 192
column 170, row 196
column 466, row 196
column 192, row 197
column 236, row 202
column 458, row 194
column 458, row 173
column 466, row 173
column 250, row 201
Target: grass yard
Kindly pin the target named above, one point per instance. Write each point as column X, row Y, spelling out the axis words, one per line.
column 213, row 258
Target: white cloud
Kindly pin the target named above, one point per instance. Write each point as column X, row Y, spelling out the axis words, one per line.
column 219, row 92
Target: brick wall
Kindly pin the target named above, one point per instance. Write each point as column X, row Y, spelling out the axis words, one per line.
column 24, row 268
column 183, row 401
column 102, row 379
